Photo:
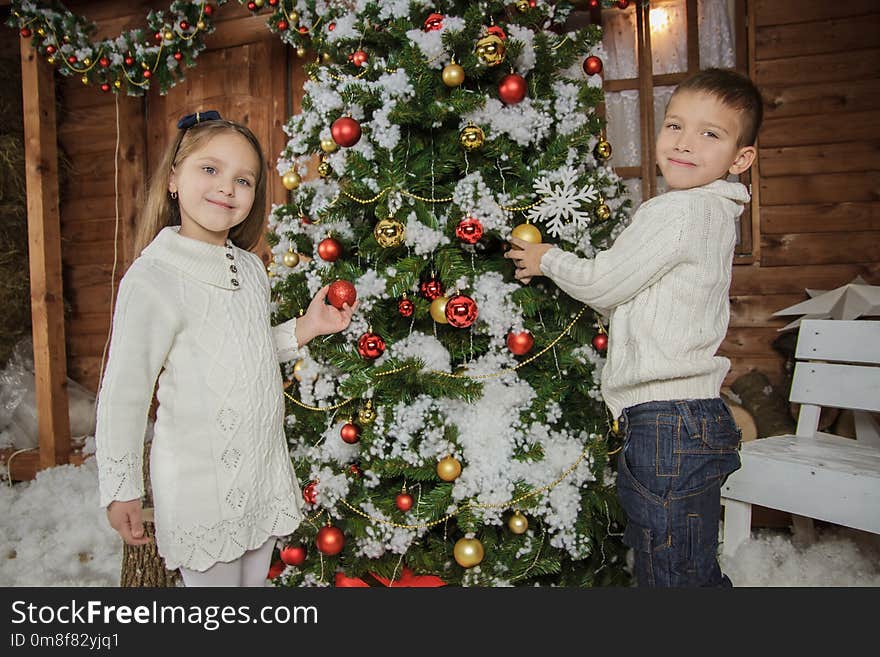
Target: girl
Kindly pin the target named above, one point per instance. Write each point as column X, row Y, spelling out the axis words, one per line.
column 193, row 310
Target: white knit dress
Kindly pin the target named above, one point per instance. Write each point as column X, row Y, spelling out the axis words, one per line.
column 664, row 283
column 222, row 479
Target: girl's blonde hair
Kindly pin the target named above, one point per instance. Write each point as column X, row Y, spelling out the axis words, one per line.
column 161, row 210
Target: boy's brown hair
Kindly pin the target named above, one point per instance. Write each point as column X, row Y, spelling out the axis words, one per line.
column 737, row 92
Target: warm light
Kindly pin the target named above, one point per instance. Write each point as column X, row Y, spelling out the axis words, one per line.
column 660, row 19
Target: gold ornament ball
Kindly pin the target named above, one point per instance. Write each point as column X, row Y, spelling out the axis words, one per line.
column 294, row 16
column 85, row 79
column 518, row 523
column 290, row 259
column 603, row 212
column 51, row 60
column 300, row 51
column 328, row 145
column 291, row 180
column 453, row 75
column 297, row 366
column 117, row 83
column 527, row 233
column 438, row 310
column 523, row 5
column 87, row 61
column 472, row 137
column 448, row 468
column 201, row 25
column 367, row 414
column 490, row 50
column 323, row 169
column 389, row 233
column 602, row 150
column 468, row 552
column 41, row 31
column 258, row 3
column 326, row 58
column 169, row 35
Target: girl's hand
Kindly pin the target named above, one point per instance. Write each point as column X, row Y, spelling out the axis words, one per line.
column 321, row 318
column 127, row 519
column 527, row 258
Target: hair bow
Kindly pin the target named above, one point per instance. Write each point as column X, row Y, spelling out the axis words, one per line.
column 190, row 120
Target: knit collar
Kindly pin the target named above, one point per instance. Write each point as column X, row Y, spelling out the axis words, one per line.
column 735, row 191
column 210, row 263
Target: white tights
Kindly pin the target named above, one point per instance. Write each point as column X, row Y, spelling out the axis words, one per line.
column 250, row 569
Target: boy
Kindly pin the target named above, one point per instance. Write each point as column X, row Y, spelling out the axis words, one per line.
column 665, row 282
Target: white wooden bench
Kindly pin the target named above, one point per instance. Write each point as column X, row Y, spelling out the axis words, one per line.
column 814, row 474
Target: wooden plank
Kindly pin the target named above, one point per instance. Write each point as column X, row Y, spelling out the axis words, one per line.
column 842, row 341
column 795, row 279
column 800, row 99
column 819, row 248
column 757, row 309
column 24, row 466
column 90, row 208
column 820, row 158
column 95, row 298
column 44, row 238
column 818, row 68
column 773, row 12
column 86, row 275
column 82, row 323
column 839, row 386
column 89, row 253
column 830, row 188
column 826, row 36
column 744, row 342
column 85, row 371
column 819, row 218
column 89, row 230
column 814, row 129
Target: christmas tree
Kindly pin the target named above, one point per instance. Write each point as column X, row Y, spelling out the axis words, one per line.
column 455, row 432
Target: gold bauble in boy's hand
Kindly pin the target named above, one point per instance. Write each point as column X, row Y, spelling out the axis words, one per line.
column 448, row 468
column 471, row 137
column 468, row 552
column 291, row 180
column 453, row 74
column 526, row 233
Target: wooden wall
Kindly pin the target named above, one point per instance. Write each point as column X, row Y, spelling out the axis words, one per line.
column 245, row 73
column 818, row 66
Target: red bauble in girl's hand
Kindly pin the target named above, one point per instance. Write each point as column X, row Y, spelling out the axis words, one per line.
column 293, row 555
column 329, row 249
column 520, row 343
column 330, row 540
column 346, row 131
column 341, row 292
column 512, row 88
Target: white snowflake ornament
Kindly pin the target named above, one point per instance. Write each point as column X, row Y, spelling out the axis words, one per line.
column 561, row 203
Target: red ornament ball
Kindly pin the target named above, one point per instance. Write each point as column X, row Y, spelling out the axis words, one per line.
column 341, row 292
column 72, row 59
column 104, row 62
column 50, row 49
column 345, row 131
column 129, row 61
column 600, row 341
column 469, row 230
column 512, row 88
column 330, row 249
column 593, row 4
column 252, row 5
column 461, row 311
column 310, row 492
column 281, row 25
column 404, row 501
column 431, row 289
column 209, row 9
column 331, row 27
column 148, row 74
column 275, row 570
column 406, row 307
column 622, row 4
column 105, row 87
column 520, row 343
column 330, row 540
column 358, row 58
column 350, row 432
column 434, row 22
column 184, row 25
column 293, row 555
column 25, row 32
column 178, row 56
column 371, row 345
column 592, row 65
column 272, row 3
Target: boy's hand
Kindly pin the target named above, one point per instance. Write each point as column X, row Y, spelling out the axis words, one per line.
column 527, row 258
column 127, row 519
column 321, row 318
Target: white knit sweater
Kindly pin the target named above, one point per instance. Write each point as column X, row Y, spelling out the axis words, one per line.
column 665, row 284
column 221, row 475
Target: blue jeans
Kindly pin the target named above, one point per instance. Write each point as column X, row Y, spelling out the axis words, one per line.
column 675, row 457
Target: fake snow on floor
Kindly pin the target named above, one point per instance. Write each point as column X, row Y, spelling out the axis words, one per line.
column 52, row 533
